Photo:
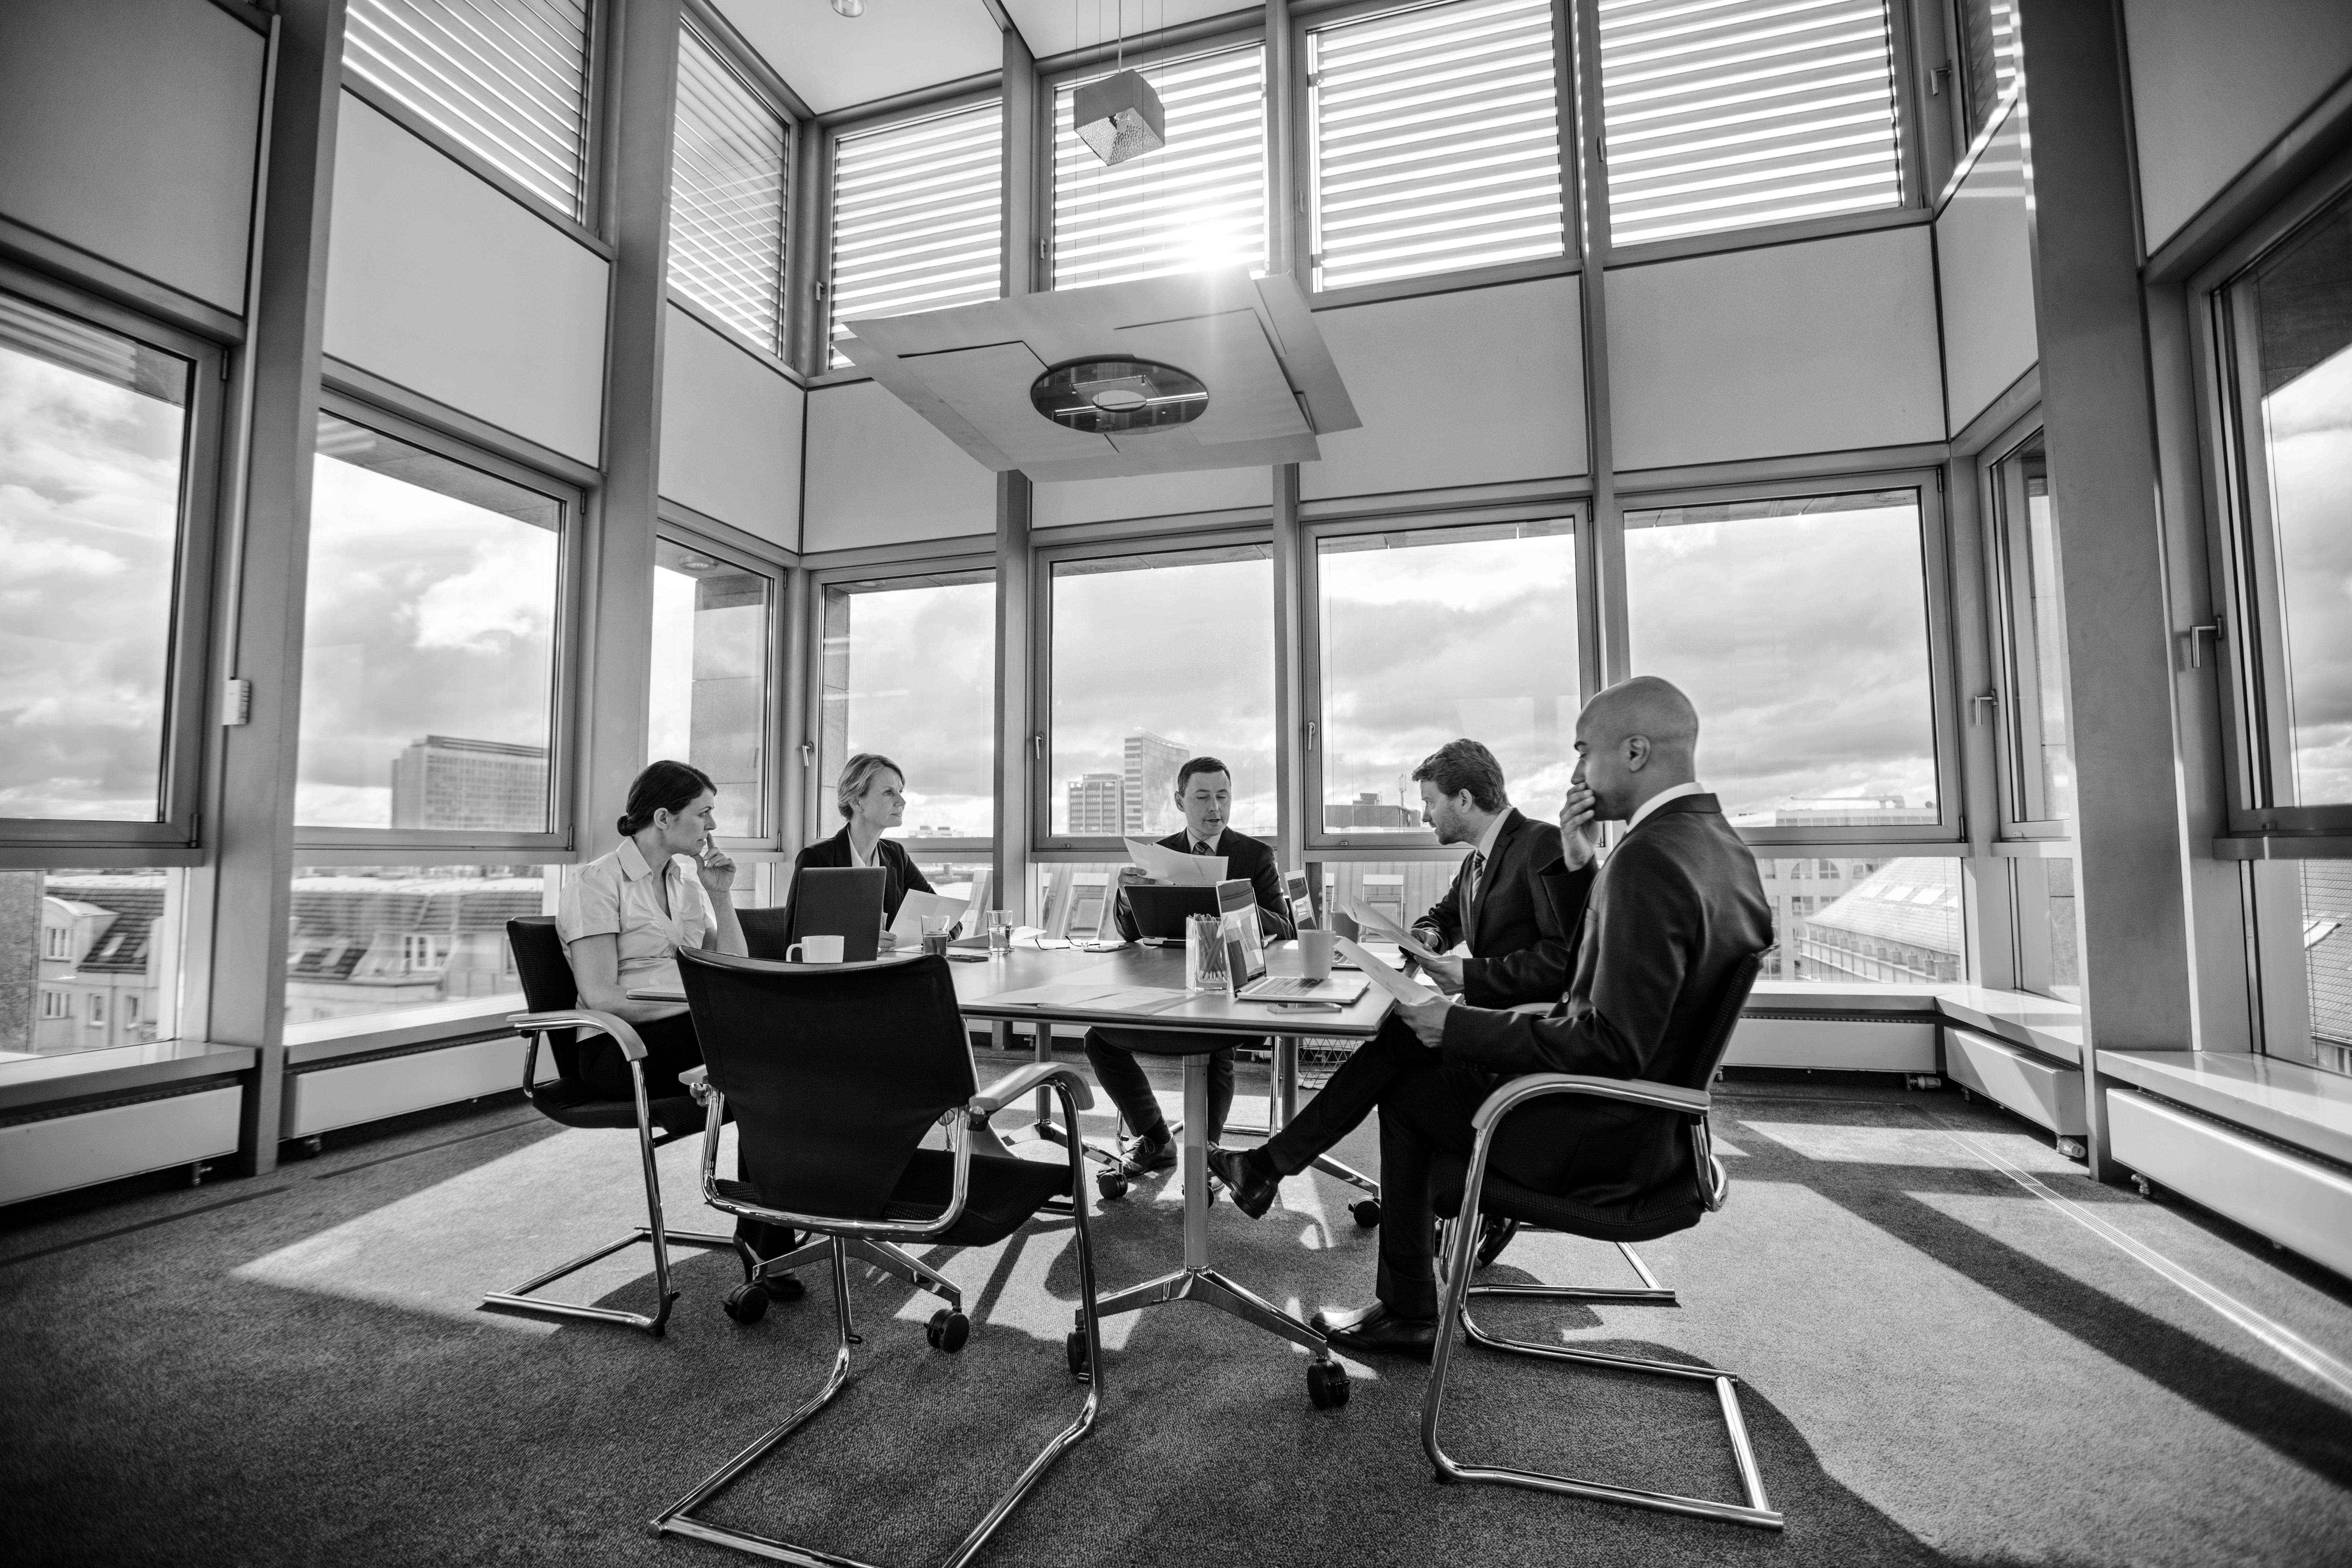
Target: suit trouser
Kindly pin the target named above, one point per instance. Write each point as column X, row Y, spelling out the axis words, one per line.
column 1425, row 1103
column 1112, row 1053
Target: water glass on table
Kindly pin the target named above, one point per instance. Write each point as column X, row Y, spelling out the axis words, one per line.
column 1000, row 934
column 935, row 932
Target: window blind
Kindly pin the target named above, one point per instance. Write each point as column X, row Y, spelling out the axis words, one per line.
column 506, row 80
column 726, row 195
column 1989, row 55
column 1436, row 141
column 916, row 216
column 1726, row 113
column 1198, row 202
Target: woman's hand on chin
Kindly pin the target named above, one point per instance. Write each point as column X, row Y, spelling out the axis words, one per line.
column 717, row 871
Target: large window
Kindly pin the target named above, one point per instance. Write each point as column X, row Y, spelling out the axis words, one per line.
column 2035, row 735
column 1738, row 112
column 94, row 446
column 909, row 670
column 429, row 665
column 89, row 959
column 916, row 213
column 713, row 628
column 505, row 80
column 2328, row 963
column 1436, row 141
column 367, row 939
column 727, row 194
column 1799, row 627
column 1156, row 658
column 1425, row 636
column 2290, row 321
column 1199, row 202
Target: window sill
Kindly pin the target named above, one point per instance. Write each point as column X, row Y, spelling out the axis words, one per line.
column 30, row 1082
column 2295, row 1104
column 445, row 1023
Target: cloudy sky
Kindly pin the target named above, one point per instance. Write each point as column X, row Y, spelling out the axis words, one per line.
column 427, row 616
column 2310, row 429
column 923, row 691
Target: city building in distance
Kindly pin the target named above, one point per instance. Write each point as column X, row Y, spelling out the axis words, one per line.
column 448, row 781
column 1150, row 785
column 1098, row 804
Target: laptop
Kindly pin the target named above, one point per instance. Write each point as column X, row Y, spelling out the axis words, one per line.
column 1245, row 952
column 843, row 901
column 1159, row 911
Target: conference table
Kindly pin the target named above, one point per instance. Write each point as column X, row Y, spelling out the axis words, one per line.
column 1037, row 987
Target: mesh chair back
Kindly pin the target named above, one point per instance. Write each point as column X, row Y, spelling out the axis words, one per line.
column 768, row 933
column 547, row 983
column 1714, row 1184
column 833, row 1072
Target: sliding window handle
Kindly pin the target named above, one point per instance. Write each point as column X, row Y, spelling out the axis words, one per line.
column 1310, row 734
column 2195, row 638
column 1979, row 703
column 1037, row 745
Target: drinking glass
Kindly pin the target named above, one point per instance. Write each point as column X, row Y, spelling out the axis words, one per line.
column 1205, row 954
column 935, row 933
column 1000, row 934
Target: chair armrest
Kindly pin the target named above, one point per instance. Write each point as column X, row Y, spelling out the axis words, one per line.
column 1631, row 1091
column 631, row 1047
column 696, row 1080
column 1022, row 1080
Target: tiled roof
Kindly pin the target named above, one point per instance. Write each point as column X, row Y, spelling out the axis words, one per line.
column 1915, row 901
column 136, row 902
column 2327, row 896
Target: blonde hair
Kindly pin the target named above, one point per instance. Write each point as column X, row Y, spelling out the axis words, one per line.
column 857, row 773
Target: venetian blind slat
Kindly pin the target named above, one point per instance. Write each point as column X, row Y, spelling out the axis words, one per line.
column 726, row 195
column 916, row 215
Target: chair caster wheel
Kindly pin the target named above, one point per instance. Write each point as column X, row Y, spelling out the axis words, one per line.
column 948, row 1330
column 1326, row 1385
column 1075, row 1348
column 1367, row 1212
column 1110, row 1184
column 747, row 1303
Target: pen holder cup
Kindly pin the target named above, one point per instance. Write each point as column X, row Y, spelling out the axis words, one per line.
column 1205, row 954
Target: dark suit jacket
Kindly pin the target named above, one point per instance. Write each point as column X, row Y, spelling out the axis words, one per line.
column 899, row 872
column 1518, row 951
column 1245, row 857
column 1674, row 908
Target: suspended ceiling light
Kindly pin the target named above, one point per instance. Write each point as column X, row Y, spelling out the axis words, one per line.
column 849, row 7
column 1118, row 117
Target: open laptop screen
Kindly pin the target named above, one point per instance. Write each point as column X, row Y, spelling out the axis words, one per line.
column 1245, row 933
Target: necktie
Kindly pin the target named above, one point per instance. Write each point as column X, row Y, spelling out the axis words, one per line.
column 1470, row 894
column 1200, row 849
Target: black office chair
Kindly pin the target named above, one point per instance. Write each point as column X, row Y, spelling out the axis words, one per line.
column 767, row 933
column 834, row 1074
column 555, row 1019
column 1467, row 1190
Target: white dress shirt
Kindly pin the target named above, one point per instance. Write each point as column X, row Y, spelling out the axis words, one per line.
column 1659, row 799
column 616, row 895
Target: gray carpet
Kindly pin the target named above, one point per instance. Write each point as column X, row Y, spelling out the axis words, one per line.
column 1940, row 1365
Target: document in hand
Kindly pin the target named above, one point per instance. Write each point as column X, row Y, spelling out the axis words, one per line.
column 908, row 926
column 1380, row 925
column 1174, row 866
column 1389, row 980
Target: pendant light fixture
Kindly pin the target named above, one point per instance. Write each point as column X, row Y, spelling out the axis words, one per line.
column 849, row 7
column 1120, row 117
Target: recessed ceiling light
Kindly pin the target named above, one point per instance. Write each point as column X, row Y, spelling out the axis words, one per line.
column 1103, row 395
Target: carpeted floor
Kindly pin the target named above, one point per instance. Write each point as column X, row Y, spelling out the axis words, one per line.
column 1954, row 1348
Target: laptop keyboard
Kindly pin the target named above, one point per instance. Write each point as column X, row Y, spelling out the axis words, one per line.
column 1282, row 990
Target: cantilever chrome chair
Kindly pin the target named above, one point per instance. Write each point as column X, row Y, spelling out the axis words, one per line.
column 834, row 1073
column 555, row 1020
column 1698, row 1188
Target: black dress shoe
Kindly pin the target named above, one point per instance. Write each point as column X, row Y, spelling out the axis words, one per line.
column 1494, row 1234
column 1146, row 1155
column 784, row 1287
column 1253, row 1190
column 1376, row 1330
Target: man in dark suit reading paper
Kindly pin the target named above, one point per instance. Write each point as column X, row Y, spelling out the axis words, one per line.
column 1204, row 791
column 1671, row 914
column 1496, row 907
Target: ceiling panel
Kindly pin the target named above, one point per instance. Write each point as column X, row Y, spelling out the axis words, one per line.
column 1057, row 27
column 834, row 62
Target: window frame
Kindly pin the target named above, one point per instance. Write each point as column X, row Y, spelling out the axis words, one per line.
column 1044, row 842
column 772, row 707
column 1304, row 170
column 573, row 633
column 2241, row 559
column 1421, row 842
column 1049, row 92
column 176, row 837
column 819, row 821
column 1948, row 832
column 2007, row 568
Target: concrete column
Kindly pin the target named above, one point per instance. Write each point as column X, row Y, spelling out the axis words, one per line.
column 1019, row 772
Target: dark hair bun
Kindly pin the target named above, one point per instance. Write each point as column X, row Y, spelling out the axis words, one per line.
column 663, row 786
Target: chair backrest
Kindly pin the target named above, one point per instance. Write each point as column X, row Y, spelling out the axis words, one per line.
column 1714, row 1184
column 548, row 985
column 768, row 933
column 833, row 1072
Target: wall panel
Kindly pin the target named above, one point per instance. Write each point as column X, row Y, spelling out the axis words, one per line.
column 879, row 473
column 130, row 129
column 730, row 433
column 1819, row 347
column 439, row 280
column 1481, row 386
column 1067, row 501
column 2213, row 84
column 1984, row 269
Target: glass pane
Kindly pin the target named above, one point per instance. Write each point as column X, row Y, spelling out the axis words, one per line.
column 1430, row 635
column 92, row 441
column 1403, row 890
column 916, row 217
column 385, row 938
column 709, row 695
column 2064, row 933
column 2054, row 747
column 909, row 671
column 1799, row 628
column 1898, row 922
column 727, row 160
column 2302, row 299
column 1796, row 888
column 88, row 960
column 428, row 664
column 1158, row 658
column 2327, row 959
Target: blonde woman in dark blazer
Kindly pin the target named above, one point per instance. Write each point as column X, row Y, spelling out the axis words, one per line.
column 872, row 799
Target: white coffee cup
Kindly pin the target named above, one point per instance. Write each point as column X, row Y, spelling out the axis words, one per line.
column 815, row 950
column 1314, row 949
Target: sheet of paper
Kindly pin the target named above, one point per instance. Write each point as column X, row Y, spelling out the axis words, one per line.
column 1387, row 979
column 1174, row 866
column 1387, row 930
column 908, row 926
column 1095, row 998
